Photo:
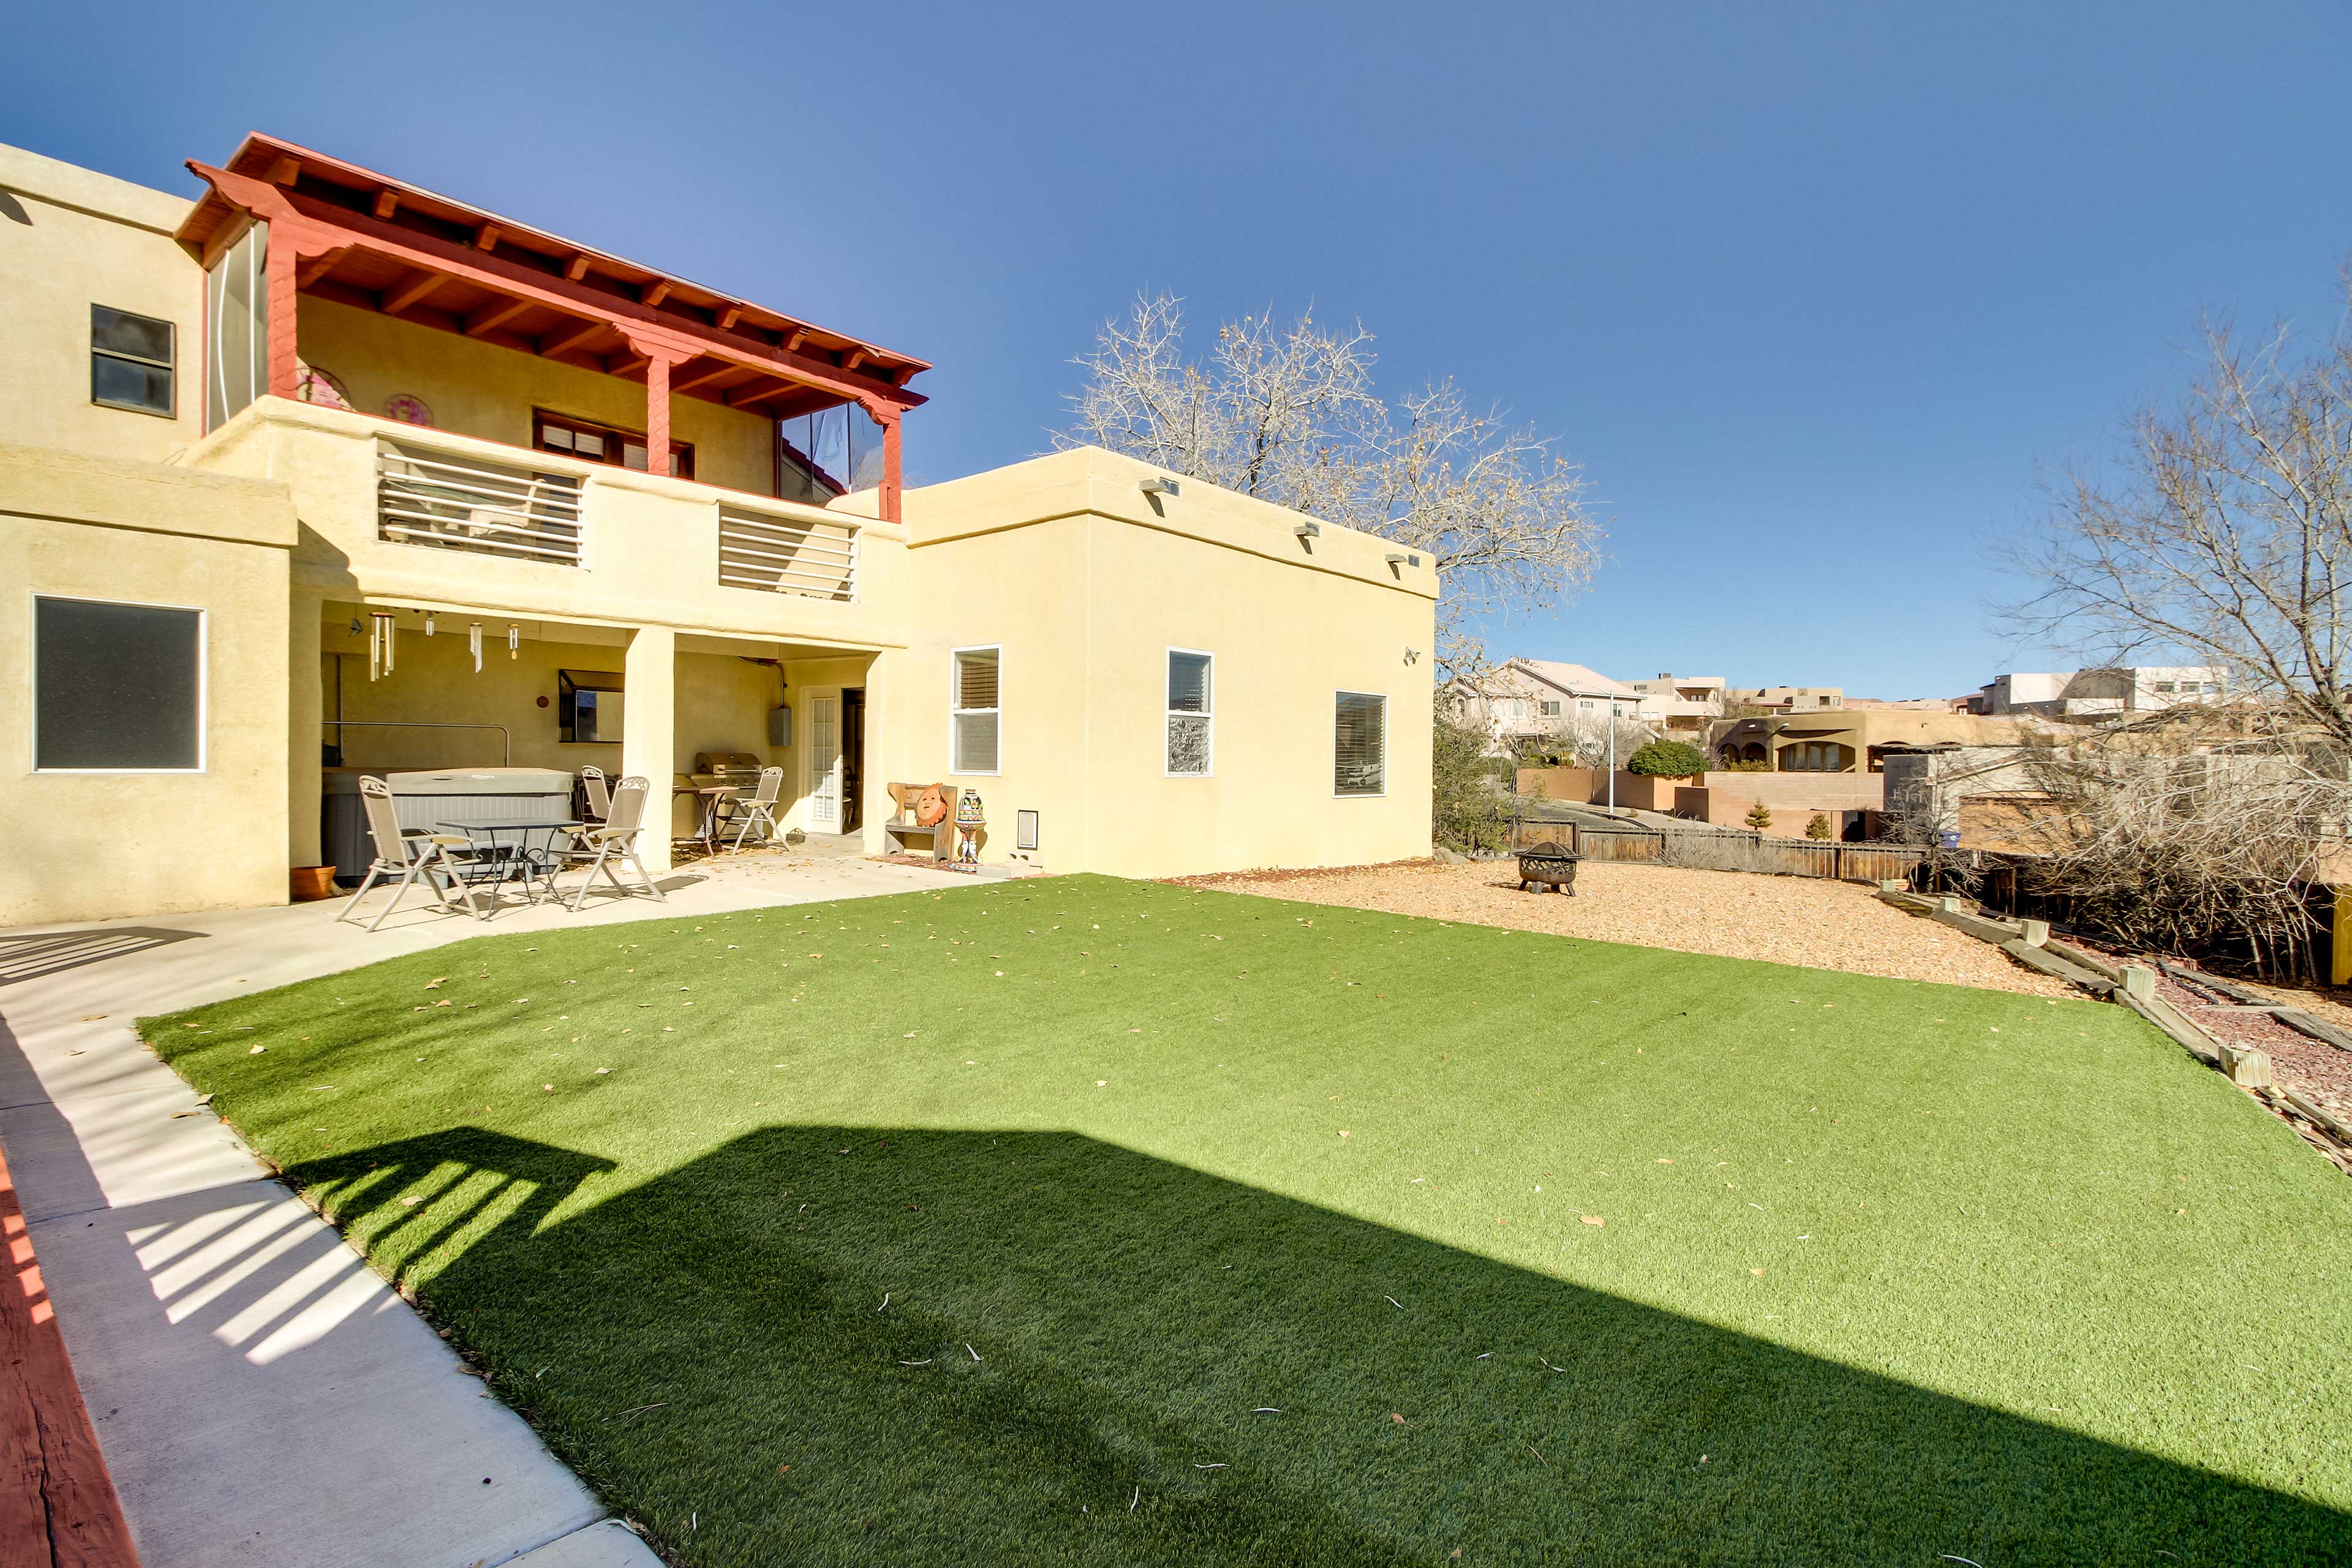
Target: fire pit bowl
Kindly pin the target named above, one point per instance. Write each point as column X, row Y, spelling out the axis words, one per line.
column 1547, row 866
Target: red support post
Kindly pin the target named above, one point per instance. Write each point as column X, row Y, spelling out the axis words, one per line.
column 657, row 414
column 282, row 265
column 890, row 473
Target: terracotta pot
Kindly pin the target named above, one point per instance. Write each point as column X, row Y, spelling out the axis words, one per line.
column 308, row 884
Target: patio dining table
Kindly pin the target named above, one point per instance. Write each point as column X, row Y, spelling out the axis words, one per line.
column 520, row 861
column 705, row 822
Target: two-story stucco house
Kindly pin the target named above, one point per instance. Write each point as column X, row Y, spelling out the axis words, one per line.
column 321, row 474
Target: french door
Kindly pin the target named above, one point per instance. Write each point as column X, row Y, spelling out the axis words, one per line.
column 824, row 764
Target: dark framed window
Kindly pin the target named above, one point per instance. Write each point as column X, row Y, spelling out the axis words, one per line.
column 116, row 688
column 597, row 443
column 131, row 362
column 1360, row 744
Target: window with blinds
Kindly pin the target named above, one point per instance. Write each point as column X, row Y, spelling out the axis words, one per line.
column 1189, row 716
column 974, row 701
column 1360, row 744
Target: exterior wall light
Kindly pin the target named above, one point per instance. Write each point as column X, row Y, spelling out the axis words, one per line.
column 1161, row 485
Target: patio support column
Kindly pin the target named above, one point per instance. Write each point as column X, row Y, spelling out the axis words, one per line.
column 648, row 733
column 306, row 709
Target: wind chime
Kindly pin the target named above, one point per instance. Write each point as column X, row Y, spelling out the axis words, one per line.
column 383, row 625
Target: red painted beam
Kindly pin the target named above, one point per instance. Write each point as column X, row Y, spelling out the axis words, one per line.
column 314, row 226
column 57, row 1505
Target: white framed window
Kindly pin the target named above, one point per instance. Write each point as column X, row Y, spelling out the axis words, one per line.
column 1359, row 745
column 1551, row 707
column 973, row 747
column 116, row 688
column 1192, row 713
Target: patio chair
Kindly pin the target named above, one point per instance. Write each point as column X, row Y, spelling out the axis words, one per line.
column 599, row 847
column 599, row 802
column 413, row 856
column 760, row 807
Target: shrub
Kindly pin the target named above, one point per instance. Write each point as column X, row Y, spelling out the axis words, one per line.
column 1759, row 817
column 1744, row 765
column 1819, row 827
column 1667, row 760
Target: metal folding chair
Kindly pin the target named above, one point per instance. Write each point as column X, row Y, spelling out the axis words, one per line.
column 599, row 802
column 601, row 848
column 759, row 808
column 411, row 857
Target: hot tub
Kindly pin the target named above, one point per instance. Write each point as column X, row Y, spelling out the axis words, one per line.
column 425, row 798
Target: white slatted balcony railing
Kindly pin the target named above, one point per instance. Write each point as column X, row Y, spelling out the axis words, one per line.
column 455, row 502
column 787, row 555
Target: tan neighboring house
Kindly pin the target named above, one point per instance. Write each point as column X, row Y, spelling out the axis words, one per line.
column 1791, row 699
column 1849, row 740
column 323, row 474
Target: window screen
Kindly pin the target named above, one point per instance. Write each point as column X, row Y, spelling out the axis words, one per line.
column 117, row 687
column 130, row 361
column 976, row 710
column 1189, row 713
column 1360, row 749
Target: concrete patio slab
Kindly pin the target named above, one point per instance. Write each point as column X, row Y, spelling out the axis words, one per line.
column 259, row 1395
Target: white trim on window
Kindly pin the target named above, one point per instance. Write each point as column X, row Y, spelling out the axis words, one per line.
column 33, row 684
column 956, row 712
column 1337, row 793
column 1207, row 714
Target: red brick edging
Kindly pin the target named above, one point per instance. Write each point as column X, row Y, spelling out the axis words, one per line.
column 58, row 1507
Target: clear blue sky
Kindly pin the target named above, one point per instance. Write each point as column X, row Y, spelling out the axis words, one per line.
column 1811, row 290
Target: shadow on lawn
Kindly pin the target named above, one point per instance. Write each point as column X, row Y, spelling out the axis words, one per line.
column 1094, row 1328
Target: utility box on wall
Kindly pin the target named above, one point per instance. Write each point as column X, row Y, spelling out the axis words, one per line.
column 780, row 726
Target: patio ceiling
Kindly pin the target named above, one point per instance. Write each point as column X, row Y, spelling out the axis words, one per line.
column 365, row 240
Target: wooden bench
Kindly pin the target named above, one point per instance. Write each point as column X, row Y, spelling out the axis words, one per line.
column 901, row 823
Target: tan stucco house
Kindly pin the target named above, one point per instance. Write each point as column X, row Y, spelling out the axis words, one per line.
column 322, row 474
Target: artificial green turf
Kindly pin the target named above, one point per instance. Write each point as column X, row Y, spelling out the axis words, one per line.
column 1180, row 1199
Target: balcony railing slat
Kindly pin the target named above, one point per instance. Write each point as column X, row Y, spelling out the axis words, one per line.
column 450, row 503
column 813, row 559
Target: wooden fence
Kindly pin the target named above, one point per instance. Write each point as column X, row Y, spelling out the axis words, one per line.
column 1716, row 850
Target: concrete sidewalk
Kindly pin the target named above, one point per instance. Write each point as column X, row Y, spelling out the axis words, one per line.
column 259, row 1395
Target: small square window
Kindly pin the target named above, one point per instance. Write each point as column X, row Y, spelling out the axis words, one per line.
column 131, row 362
column 116, row 688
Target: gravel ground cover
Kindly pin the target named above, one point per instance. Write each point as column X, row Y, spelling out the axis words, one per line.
column 1803, row 920
column 2309, row 1066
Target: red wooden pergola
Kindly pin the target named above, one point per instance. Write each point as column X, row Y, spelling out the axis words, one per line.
column 346, row 234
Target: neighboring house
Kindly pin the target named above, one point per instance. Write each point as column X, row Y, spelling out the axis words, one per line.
column 1682, row 705
column 1793, row 698
column 1525, row 700
column 2095, row 694
column 1848, row 739
column 325, row 474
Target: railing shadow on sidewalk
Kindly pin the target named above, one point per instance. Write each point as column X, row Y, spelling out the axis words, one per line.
column 29, row 955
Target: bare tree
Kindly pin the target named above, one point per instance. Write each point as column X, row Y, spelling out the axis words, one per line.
column 2225, row 535
column 2170, row 833
column 1289, row 414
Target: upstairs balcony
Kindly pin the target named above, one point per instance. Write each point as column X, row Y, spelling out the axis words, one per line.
column 395, row 514
column 465, row 395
